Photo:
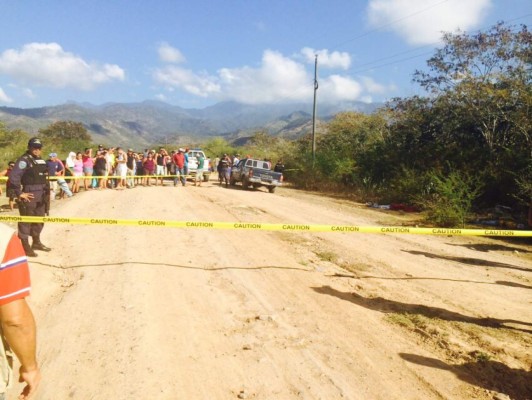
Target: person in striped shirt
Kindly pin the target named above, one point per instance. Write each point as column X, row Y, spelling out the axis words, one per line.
column 17, row 325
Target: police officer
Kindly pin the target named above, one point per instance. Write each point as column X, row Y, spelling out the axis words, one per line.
column 30, row 184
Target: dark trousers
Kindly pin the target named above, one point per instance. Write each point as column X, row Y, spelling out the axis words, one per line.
column 32, row 208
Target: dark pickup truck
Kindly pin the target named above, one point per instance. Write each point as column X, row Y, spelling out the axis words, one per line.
column 255, row 173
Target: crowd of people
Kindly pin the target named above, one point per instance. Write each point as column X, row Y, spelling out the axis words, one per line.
column 115, row 168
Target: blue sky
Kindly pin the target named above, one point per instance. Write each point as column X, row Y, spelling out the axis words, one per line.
column 197, row 53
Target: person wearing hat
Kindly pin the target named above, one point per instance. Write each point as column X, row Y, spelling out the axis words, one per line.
column 56, row 169
column 29, row 180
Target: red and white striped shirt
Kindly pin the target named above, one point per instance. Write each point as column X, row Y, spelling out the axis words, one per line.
column 14, row 269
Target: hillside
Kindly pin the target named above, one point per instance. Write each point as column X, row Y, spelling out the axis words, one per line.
column 157, row 122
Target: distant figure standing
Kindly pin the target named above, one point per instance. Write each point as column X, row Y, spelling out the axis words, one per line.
column 88, row 167
column 148, row 165
column 179, row 161
column 29, row 180
column 131, row 168
column 279, row 167
column 121, row 168
column 186, row 162
column 160, row 161
column 100, row 168
column 56, row 168
column 224, row 170
column 199, row 170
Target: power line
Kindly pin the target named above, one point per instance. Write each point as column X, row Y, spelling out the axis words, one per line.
column 391, row 63
column 413, row 50
column 397, row 54
column 390, row 23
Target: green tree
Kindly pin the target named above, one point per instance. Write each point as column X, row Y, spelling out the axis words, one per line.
column 486, row 77
column 216, row 147
column 348, row 137
column 13, row 143
column 65, row 136
column 478, row 117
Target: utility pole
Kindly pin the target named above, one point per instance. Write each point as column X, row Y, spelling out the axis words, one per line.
column 314, row 111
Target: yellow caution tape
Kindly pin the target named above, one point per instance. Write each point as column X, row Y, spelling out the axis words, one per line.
column 55, row 178
column 267, row 226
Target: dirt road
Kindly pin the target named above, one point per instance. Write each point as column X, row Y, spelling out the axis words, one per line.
column 159, row 313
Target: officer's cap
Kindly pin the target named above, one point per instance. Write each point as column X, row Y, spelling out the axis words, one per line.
column 35, row 142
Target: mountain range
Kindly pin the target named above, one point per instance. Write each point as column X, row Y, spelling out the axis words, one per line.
column 154, row 122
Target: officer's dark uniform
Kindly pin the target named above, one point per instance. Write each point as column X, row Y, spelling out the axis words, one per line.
column 30, row 176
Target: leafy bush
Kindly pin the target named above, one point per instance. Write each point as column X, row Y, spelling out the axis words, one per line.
column 408, row 186
column 450, row 199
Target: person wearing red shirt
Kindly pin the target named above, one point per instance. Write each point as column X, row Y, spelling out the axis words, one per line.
column 179, row 161
column 17, row 325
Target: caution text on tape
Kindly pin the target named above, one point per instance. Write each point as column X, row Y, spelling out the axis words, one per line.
column 267, row 226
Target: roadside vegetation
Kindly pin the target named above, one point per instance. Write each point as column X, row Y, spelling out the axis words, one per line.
column 466, row 146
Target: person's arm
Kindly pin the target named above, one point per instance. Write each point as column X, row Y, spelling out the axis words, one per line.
column 60, row 168
column 19, row 329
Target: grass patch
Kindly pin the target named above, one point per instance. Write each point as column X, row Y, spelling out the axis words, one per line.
column 408, row 320
column 480, row 356
column 327, row 256
column 353, row 267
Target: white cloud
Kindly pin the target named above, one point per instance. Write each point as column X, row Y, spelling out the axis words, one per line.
column 28, row 93
column 277, row 79
column 335, row 59
column 4, row 98
column 201, row 85
column 47, row 64
column 170, row 54
column 422, row 22
column 373, row 87
column 339, row 88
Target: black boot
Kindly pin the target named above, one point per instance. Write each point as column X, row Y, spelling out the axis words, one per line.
column 37, row 245
column 27, row 248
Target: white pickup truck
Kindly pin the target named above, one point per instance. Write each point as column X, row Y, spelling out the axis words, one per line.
column 193, row 164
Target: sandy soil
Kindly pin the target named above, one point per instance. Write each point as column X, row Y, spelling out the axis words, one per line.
column 159, row 313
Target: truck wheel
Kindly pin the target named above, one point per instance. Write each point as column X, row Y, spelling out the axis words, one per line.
column 271, row 189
